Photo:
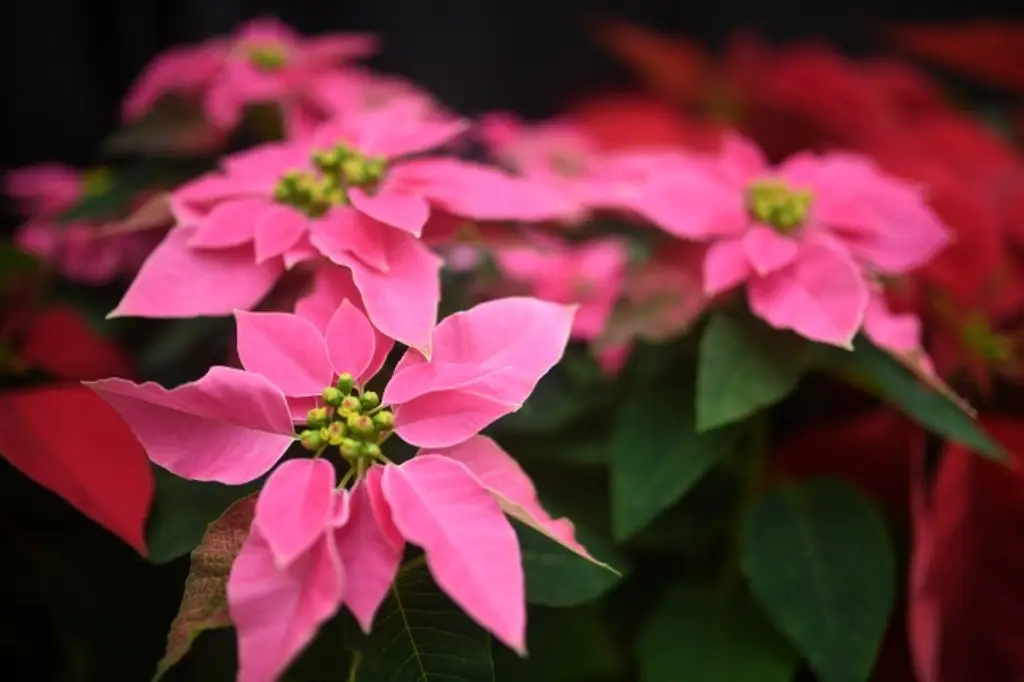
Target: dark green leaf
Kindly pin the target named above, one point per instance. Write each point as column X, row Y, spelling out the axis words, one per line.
column 820, row 561
column 556, row 576
column 745, row 366
column 204, row 604
column 933, row 409
column 711, row 634
column 421, row 636
column 182, row 510
column 13, row 263
column 572, row 389
column 566, row 645
column 657, row 454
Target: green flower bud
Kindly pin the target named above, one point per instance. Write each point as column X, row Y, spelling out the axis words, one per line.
column 345, row 383
column 332, row 396
column 371, row 451
column 350, row 448
column 318, row 417
column 311, row 439
column 355, row 171
column 349, row 406
column 336, row 433
column 360, row 425
column 369, row 400
column 384, row 420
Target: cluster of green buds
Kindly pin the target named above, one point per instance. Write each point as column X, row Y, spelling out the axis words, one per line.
column 351, row 420
column 266, row 56
column 778, row 205
column 337, row 170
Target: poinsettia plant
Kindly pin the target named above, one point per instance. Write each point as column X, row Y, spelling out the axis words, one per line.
column 678, row 385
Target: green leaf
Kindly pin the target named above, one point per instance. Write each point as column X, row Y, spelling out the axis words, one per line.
column 574, row 388
column 711, row 634
column 566, row 645
column 935, row 410
column 421, row 636
column 204, row 604
column 556, row 576
column 820, row 561
column 657, row 454
column 182, row 510
column 14, row 263
column 745, row 366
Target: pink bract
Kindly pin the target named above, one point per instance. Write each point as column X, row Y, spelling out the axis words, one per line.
column 313, row 548
column 264, row 61
column 235, row 236
column 590, row 274
column 814, row 276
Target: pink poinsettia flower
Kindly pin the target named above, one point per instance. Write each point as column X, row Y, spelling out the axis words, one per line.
column 349, row 195
column 805, row 238
column 45, row 190
column 79, row 250
column 314, row 548
column 590, row 274
column 311, row 548
column 264, row 62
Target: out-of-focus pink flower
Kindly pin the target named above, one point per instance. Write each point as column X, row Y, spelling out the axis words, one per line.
column 78, row 250
column 555, row 153
column 45, row 190
column 349, row 194
column 357, row 90
column 805, row 238
column 590, row 274
column 264, row 61
column 315, row 547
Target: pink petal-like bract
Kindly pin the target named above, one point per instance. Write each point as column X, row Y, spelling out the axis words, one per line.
column 767, row 250
column 446, row 418
column 230, row 223
column 471, row 549
column 277, row 231
column 526, row 335
column 370, row 557
column 398, row 209
column 373, row 482
column 821, row 296
column 295, row 508
column 332, row 286
column 276, row 612
column 692, row 205
column 511, row 487
column 481, row 192
column 351, row 342
column 229, row 426
column 402, row 302
column 179, row 281
column 286, row 349
column 725, row 266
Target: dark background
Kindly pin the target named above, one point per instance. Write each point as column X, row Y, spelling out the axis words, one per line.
column 65, row 64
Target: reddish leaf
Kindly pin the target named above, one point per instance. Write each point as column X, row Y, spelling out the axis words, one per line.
column 68, row 440
column 987, row 50
column 671, row 67
column 60, row 342
column 871, row 451
column 204, row 604
column 966, row 612
column 616, row 122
